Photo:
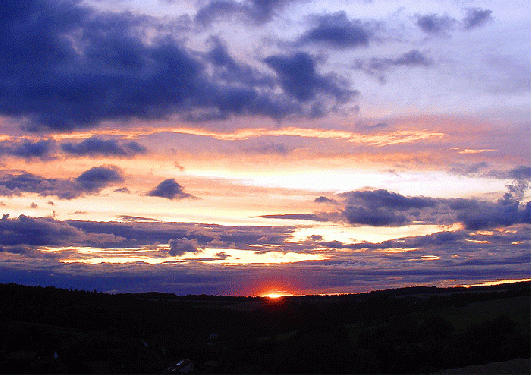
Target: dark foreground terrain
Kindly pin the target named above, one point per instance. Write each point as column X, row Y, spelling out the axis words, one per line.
column 409, row 330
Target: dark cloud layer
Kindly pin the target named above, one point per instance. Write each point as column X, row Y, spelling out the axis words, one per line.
column 506, row 211
column 67, row 66
column 384, row 208
column 169, row 189
column 89, row 182
column 461, row 255
column 252, row 11
column 26, row 149
column 337, row 31
column 381, row 207
column 30, row 231
column 95, row 146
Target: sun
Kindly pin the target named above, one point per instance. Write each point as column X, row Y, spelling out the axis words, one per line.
column 276, row 295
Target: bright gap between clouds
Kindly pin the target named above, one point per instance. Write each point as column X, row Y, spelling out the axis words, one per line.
column 347, row 234
column 224, row 256
column 437, row 184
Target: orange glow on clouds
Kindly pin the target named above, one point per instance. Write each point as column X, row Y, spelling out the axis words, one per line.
column 227, row 256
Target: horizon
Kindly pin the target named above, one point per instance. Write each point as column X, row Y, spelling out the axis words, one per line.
column 279, row 295
column 243, row 147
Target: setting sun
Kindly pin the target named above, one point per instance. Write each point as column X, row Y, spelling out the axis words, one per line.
column 276, row 295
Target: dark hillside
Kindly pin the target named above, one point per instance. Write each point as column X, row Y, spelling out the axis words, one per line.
column 408, row 330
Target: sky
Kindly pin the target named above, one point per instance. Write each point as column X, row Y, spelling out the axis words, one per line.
column 246, row 147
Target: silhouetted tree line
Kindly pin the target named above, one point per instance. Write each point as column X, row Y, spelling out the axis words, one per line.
column 50, row 330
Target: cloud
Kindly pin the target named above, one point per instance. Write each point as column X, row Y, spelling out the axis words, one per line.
column 460, row 255
column 30, row 231
column 312, row 217
column 480, row 215
column 434, row 24
column 520, row 176
column 140, row 232
column 270, row 148
column 378, row 66
column 97, row 178
column 229, row 70
column 89, row 182
column 252, row 11
column 384, row 199
column 476, row 17
column 323, row 199
column 384, row 208
column 95, row 146
column 337, row 31
column 468, row 169
column 299, row 78
column 68, row 66
column 27, row 149
column 183, row 245
column 169, row 189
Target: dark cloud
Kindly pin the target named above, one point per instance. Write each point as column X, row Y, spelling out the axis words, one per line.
column 67, row 66
column 374, row 217
column 169, row 189
column 378, row 66
column 25, row 230
column 476, row 17
column 435, row 24
column 97, row 178
column 252, row 11
column 385, row 199
column 183, row 245
column 337, row 31
column 299, row 78
column 382, row 208
column 480, row 215
column 520, row 173
column 95, row 146
column 323, row 199
column 91, row 181
column 27, row 149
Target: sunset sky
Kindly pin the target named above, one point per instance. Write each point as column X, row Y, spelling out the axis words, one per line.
column 244, row 147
